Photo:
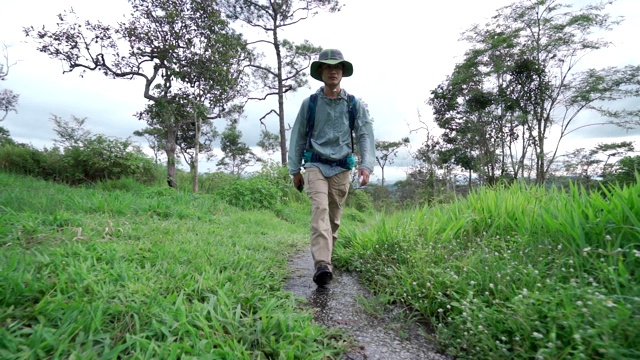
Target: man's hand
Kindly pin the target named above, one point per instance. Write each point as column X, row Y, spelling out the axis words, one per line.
column 363, row 174
column 298, row 181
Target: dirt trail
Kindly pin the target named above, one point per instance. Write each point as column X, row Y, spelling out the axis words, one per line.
column 389, row 336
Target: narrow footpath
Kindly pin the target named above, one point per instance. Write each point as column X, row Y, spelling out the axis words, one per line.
column 389, row 336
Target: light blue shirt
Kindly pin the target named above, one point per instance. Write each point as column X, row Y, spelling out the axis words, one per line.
column 331, row 137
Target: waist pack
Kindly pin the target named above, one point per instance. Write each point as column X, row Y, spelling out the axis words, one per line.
column 348, row 162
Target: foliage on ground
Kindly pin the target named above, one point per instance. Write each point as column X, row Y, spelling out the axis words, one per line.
column 126, row 271
column 514, row 272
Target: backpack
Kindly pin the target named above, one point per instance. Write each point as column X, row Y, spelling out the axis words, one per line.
column 311, row 116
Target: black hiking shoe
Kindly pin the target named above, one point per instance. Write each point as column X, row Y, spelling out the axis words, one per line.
column 323, row 275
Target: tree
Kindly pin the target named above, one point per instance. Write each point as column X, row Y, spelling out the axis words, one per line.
column 386, row 151
column 8, row 99
column 581, row 163
column 626, row 171
column 181, row 49
column 155, row 140
column 8, row 103
column 237, row 155
column 613, row 151
column 595, row 163
column 195, row 132
column 269, row 142
column 470, row 110
column 530, row 52
column 291, row 60
column 70, row 132
column 196, row 137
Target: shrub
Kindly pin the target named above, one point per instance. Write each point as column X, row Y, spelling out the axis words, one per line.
column 360, row 201
column 23, row 159
column 256, row 192
column 210, row 183
column 98, row 158
column 383, row 198
column 104, row 158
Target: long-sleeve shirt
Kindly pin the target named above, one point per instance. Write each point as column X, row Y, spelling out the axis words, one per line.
column 331, row 137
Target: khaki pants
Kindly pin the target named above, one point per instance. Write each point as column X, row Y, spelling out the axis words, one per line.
column 327, row 200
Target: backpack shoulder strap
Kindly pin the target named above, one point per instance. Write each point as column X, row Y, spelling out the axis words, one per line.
column 353, row 110
column 353, row 115
column 311, row 117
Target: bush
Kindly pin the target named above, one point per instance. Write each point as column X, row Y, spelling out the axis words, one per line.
column 24, row 159
column 383, row 198
column 98, row 159
column 102, row 158
column 210, row 183
column 256, row 192
column 277, row 174
column 359, row 200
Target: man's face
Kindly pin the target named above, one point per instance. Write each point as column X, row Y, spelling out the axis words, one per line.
column 331, row 74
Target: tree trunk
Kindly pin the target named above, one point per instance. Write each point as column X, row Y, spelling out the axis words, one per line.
column 540, row 161
column 197, row 154
column 170, row 149
column 283, row 131
column 453, row 177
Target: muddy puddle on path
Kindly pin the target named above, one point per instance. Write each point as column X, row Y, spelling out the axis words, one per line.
column 387, row 336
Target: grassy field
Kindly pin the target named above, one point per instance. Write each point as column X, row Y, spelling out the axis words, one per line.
column 514, row 273
column 148, row 273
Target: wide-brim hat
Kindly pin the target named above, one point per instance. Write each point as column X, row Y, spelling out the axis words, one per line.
column 330, row 56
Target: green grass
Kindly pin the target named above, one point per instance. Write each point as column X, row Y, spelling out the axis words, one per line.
column 148, row 273
column 120, row 270
column 519, row 272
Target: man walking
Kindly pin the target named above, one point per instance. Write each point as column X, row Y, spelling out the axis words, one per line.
column 323, row 136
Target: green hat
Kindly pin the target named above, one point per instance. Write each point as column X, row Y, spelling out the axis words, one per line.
column 330, row 56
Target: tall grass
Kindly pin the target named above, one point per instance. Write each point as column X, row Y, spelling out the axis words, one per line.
column 147, row 273
column 518, row 272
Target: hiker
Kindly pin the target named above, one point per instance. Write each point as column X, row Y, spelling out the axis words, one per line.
column 322, row 142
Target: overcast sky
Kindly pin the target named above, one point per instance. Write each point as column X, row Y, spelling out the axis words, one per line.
column 400, row 51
